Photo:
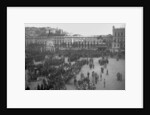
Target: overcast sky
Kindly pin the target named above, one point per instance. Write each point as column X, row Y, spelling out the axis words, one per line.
column 81, row 28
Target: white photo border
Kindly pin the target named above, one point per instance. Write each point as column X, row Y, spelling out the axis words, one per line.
column 18, row 97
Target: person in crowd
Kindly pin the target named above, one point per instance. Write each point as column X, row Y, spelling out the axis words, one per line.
column 107, row 61
column 75, row 81
column 27, row 88
column 90, row 65
column 96, row 78
column 93, row 77
column 102, row 69
column 100, row 76
column 38, row 87
column 93, row 87
column 104, row 83
column 88, row 74
column 42, row 87
column 93, row 66
column 88, row 80
column 107, row 72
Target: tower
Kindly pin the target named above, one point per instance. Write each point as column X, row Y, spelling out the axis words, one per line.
column 113, row 30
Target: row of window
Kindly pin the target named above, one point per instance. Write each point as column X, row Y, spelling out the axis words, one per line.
column 118, row 40
column 93, row 42
column 119, row 34
column 36, row 42
column 72, row 43
column 118, row 45
column 78, row 44
column 61, row 41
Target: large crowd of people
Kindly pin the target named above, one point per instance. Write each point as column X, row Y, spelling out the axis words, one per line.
column 84, row 83
column 57, row 73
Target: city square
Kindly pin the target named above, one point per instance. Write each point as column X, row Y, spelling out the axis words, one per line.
column 111, row 79
column 57, row 60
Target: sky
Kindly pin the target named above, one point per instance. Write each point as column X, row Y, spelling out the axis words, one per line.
column 85, row 29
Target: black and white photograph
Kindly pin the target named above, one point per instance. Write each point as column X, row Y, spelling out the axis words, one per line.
column 75, row 56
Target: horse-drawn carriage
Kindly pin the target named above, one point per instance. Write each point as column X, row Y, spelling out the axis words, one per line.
column 103, row 61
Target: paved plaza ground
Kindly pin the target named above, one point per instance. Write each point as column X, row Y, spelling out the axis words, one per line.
column 113, row 67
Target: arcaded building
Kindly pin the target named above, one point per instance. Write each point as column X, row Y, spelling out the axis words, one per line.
column 67, row 42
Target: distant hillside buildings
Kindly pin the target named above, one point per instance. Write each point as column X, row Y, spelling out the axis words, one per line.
column 44, row 31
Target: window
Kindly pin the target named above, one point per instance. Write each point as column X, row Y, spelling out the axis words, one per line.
column 93, row 42
column 121, row 34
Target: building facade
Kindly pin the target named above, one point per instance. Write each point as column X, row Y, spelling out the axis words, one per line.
column 67, row 42
column 118, row 43
column 108, row 39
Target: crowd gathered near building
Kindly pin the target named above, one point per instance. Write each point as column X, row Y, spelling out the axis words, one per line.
column 46, row 65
